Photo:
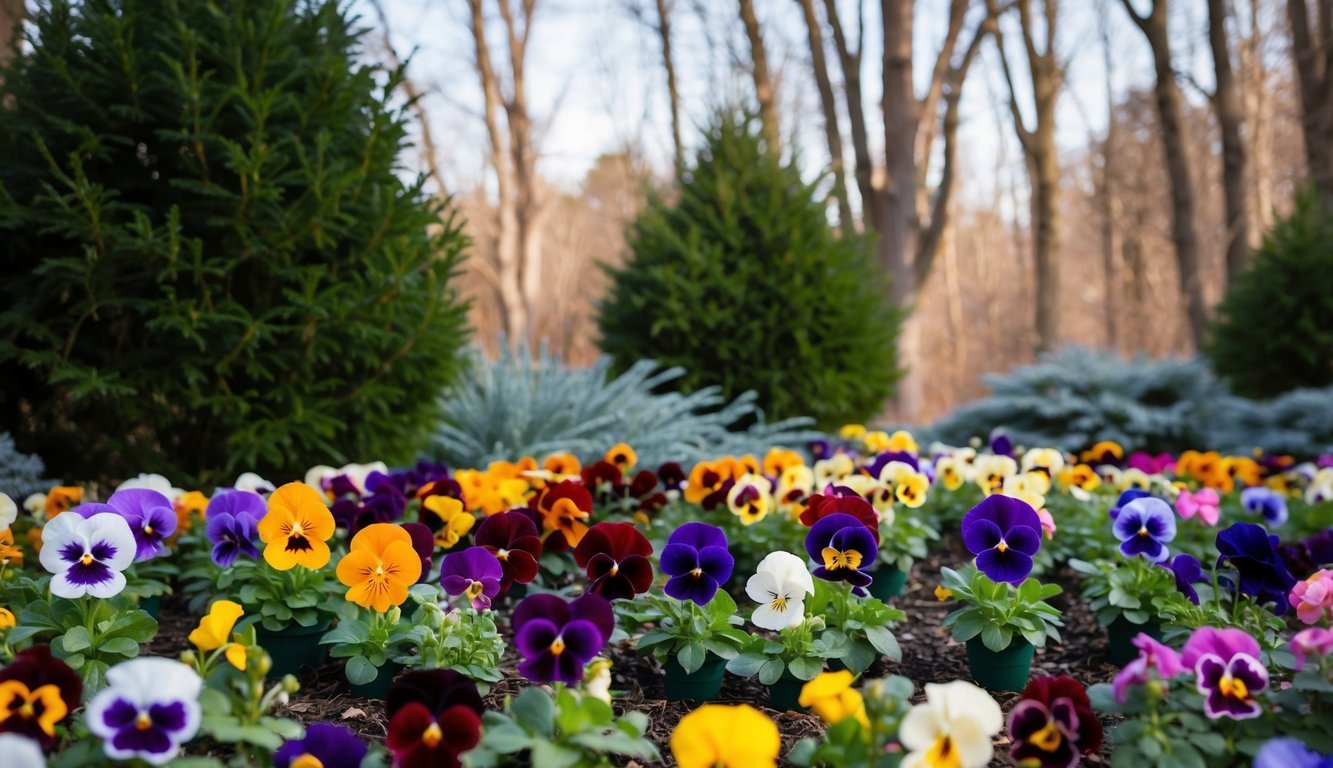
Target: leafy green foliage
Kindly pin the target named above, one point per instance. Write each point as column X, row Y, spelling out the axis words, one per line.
column 464, row 640
column 683, row 630
column 858, row 628
column 1274, row 329
column 848, row 744
column 21, row 474
column 91, row 635
column 210, row 260
column 525, row 406
column 998, row 611
column 740, row 280
column 1130, row 587
column 800, row 650
column 567, row 728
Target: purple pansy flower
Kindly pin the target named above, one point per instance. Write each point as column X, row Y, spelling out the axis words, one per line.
column 473, row 571
column 1125, row 498
column 87, row 554
column 1154, row 659
column 558, row 638
column 1286, row 752
column 841, row 544
column 151, row 517
column 149, row 708
column 385, row 505
column 1188, row 572
column 1004, row 533
column 1227, row 671
column 1000, row 444
column 698, row 562
column 1254, row 554
column 1266, row 502
column 1144, row 526
column 423, row 541
column 233, row 525
column 330, row 746
column 1306, row 556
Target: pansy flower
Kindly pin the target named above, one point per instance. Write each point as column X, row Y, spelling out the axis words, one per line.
column 215, row 629
column 565, row 508
column 1313, row 641
column 1144, row 526
column 423, row 543
column 1203, row 502
column 1125, row 498
column 149, row 708
column 87, row 554
column 60, row 499
column 419, row 738
column 9, row 511
column 731, row 736
column 296, row 528
column 1262, row 572
column 1266, row 502
column 1313, row 597
column 474, row 572
column 233, row 525
column 821, row 505
column 21, row 751
column 842, row 544
column 708, row 483
column 9, row 553
column 1053, row 724
column 150, row 515
column 324, row 745
column 1227, row 671
column 447, row 518
column 615, row 558
column 750, row 498
column 1103, row 452
column 952, row 727
column 1187, row 572
column 1154, row 659
column 779, row 585
column 37, row 693
column 557, row 638
column 379, row 567
column 950, row 472
column 1286, row 752
column 7, row 619
column 697, row 561
column 1003, row 533
column 831, row 696
column 512, row 538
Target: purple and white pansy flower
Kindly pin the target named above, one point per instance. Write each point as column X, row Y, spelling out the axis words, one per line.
column 87, row 554
column 1227, row 671
column 151, row 517
column 149, row 708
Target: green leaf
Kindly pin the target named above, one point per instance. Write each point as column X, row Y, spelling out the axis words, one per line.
column 506, row 738
column 746, row 664
column 119, row 646
column 360, row 671
column 536, row 711
column 691, row 657
column 771, row 671
column 804, row 667
column 884, row 642
column 76, row 639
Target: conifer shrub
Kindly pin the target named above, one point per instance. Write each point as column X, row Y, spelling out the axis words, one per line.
column 211, row 256
column 739, row 279
column 1274, row 329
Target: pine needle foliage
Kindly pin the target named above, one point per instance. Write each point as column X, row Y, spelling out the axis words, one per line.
column 740, row 280
column 525, row 406
column 211, row 256
column 1274, row 329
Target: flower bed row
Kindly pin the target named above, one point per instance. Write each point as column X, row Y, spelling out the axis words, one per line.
column 429, row 582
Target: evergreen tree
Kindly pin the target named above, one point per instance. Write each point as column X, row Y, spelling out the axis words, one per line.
column 740, row 280
column 211, row 257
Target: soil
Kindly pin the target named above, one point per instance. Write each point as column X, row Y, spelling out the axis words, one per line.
column 929, row 655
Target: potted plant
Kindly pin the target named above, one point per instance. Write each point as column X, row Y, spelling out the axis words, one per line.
column 902, row 542
column 1131, row 595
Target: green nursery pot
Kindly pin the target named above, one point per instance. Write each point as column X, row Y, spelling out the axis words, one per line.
column 703, row 684
column 1120, row 636
column 379, row 687
column 888, row 582
column 785, row 694
column 1005, row 670
column 151, row 605
column 294, row 649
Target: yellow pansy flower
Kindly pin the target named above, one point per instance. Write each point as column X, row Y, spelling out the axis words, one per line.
column 832, row 697
column 455, row 521
column 722, row 736
column 214, row 631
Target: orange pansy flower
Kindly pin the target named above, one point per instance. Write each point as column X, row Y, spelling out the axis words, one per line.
column 296, row 528
column 380, row 567
column 9, row 554
column 61, row 498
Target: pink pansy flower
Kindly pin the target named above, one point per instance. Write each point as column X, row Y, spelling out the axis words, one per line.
column 1313, row 597
column 1153, row 658
column 1202, row 502
column 1315, row 641
column 1047, row 523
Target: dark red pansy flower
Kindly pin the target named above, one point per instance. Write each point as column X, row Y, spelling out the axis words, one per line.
column 719, row 496
column 423, row 541
column 644, row 483
column 436, row 689
column 512, row 538
column 820, row 506
column 615, row 557
column 672, row 476
column 28, row 687
column 601, row 473
column 419, row 738
column 1053, row 724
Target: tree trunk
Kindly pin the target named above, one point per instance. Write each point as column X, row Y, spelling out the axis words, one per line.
column 1312, row 51
column 850, row 60
column 763, row 83
column 1230, row 114
column 1154, row 28
column 1106, row 192
column 898, row 217
column 12, row 13
column 673, row 92
column 828, row 101
column 527, row 194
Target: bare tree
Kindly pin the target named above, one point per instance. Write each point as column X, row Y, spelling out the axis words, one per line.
column 1312, row 50
column 1106, row 187
column 763, row 82
column 828, row 102
column 1230, row 115
column 1039, row 150
column 664, row 11
column 1167, row 93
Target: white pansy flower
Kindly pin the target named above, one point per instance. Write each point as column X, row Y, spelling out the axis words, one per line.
column 953, row 727
column 153, row 482
column 780, row 585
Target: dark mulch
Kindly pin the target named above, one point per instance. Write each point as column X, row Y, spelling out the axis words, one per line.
column 929, row 655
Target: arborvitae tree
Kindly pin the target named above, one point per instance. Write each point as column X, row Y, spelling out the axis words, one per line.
column 1274, row 329
column 740, row 280
column 211, row 257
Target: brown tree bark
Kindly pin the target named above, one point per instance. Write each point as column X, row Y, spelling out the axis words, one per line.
column 1312, row 52
column 1106, row 191
column 12, row 14
column 1230, row 116
column 828, row 102
column 849, row 57
column 1043, row 161
column 673, row 92
column 897, row 199
column 763, row 82
column 1167, row 93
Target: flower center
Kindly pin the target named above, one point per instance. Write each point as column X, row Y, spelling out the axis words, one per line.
column 697, row 572
column 1003, row 546
column 307, row 761
column 1233, row 687
column 143, row 722
column 87, row 559
column 1143, row 530
column 474, row 590
column 501, row 554
column 615, row 568
column 942, row 754
column 432, row 735
column 1047, row 739
column 558, row 646
column 835, row 559
column 779, row 603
